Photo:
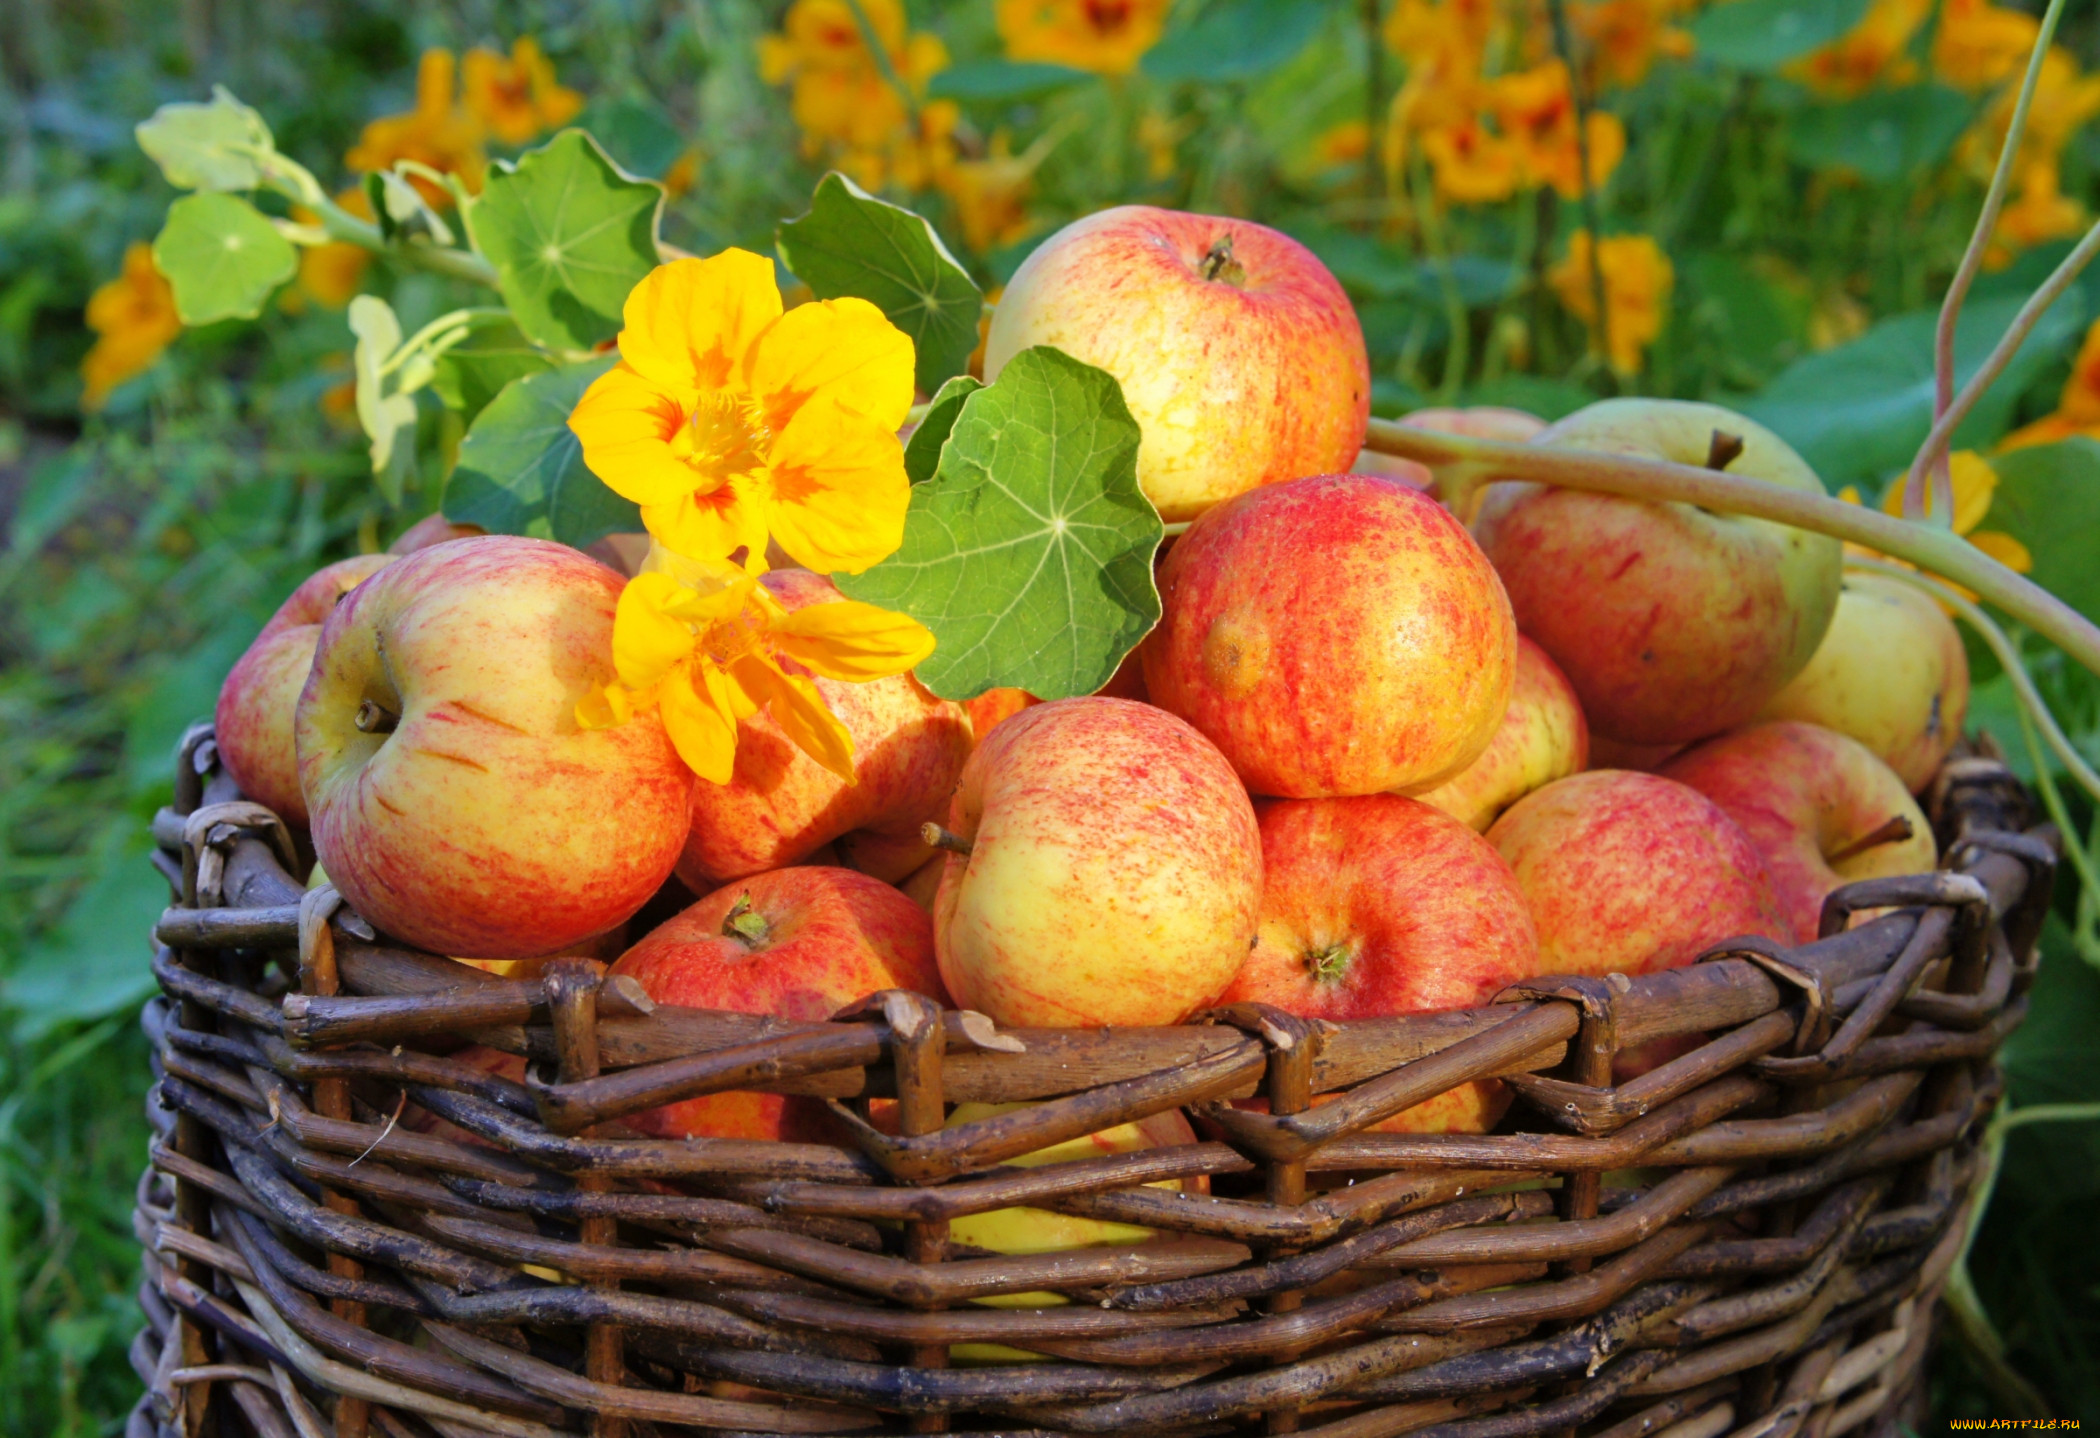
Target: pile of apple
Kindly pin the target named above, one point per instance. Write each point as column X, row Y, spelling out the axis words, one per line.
column 1376, row 758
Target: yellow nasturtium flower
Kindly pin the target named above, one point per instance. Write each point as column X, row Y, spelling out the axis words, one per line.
column 707, row 645
column 1108, row 37
column 846, row 99
column 730, row 420
column 1637, row 282
column 1974, row 483
column 517, row 98
column 133, row 317
column 1874, row 51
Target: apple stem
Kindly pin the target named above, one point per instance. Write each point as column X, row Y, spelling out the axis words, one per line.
column 1464, row 464
column 1892, row 830
column 741, row 923
column 1218, row 258
column 1328, row 964
column 947, row 839
column 375, row 718
column 1722, row 449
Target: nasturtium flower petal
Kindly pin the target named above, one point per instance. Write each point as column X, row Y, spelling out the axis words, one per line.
column 604, row 706
column 704, row 735
column 799, row 710
column 845, row 349
column 852, row 641
column 688, row 323
column 2005, row 549
column 647, row 641
column 719, row 523
column 626, row 423
column 838, row 489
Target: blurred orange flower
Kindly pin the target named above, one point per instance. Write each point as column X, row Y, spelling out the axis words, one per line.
column 133, row 317
column 1625, row 37
column 1441, row 40
column 1471, row 164
column 437, row 133
column 1637, row 282
column 849, row 111
column 517, row 98
column 2077, row 405
column 991, row 194
column 1872, row 52
column 2039, row 212
column 1536, row 110
column 1978, row 44
column 1108, row 37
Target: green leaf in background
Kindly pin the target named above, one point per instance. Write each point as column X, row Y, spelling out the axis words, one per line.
column 1003, row 80
column 1029, row 555
column 222, row 258
column 1884, row 135
column 1756, row 324
column 521, row 470
column 637, row 133
column 97, row 960
column 1236, row 41
column 570, row 233
column 496, row 352
column 1765, row 34
column 2048, row 498
column 851, row 243
column 198, row 146
column 1859, row 411
column 922, row 452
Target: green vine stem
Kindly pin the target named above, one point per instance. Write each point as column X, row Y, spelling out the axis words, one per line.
column 1934, row 450
column 1963, row 1302
column 1463, row 464
column 1965, row 275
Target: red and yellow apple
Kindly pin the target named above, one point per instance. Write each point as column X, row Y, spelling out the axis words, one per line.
column 1542, row 737
column 1381, row 905
column 780, row 804
column 455, row 800
column 1114, row 872
column 1630, row 873
column 1239, row 355
column 1673, row 622
column 1819, row 806
column 1334, row 636
column 1891, row 672
column 798, row 944
column 253, row 722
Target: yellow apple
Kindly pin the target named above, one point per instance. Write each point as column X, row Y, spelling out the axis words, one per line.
column 1891, row 672
column 1542, row 737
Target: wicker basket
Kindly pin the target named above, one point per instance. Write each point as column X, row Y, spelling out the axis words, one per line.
column 1750, row 1238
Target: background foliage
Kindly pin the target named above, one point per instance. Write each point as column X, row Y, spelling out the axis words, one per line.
column 1777, row 226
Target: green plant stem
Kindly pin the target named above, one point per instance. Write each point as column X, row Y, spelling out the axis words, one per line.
column 1564, row 42
column 1965, row 1305
column 1934, row 450
column 1971, row 262
column 1457, row 350
column 1462, row 464
column 2009, row 658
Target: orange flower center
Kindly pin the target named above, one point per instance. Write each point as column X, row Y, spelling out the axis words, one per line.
column 728, row 640
column 1107, row 17
column 725, row 436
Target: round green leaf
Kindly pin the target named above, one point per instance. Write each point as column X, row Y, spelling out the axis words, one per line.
column 521, row 469
column 851, row 243
column 222, row 258
column 922, row 452
column 1763, row 35
column 570, row 233
column 1029, row 553
column 202, row 147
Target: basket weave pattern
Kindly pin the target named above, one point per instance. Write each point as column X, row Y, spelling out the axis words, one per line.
column 1784, row 1200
